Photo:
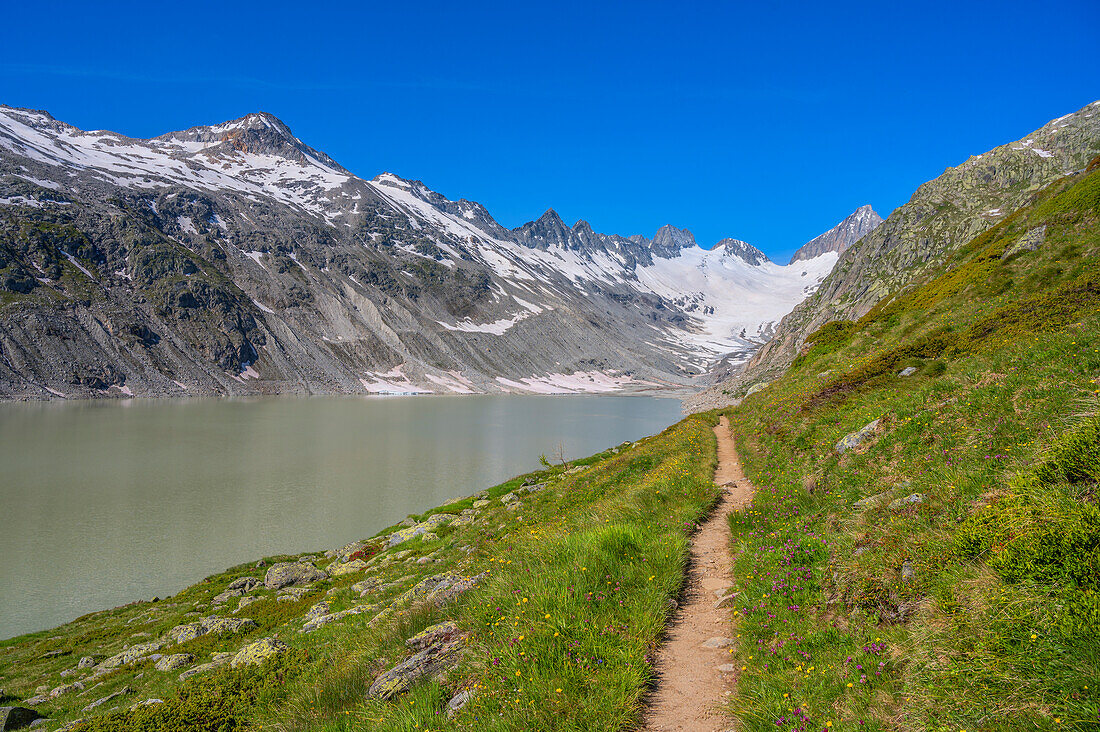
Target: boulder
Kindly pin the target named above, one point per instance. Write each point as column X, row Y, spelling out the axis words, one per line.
column 212, row 624
column 913, row 499
column 908, row 371
column 175, row 661
column 508, row 498
column 458, row 701
column 130, row 655
column 433, row 635
column 220, row 659
column 429, row 524
column 481, row 503
column 365, row 586
column 339, row 570
column 323, row 620
column 258, row 652
column 75, row 686
column 103, row 700
column 856, row 439
column 321, row 608
column 293, row 593
column 86, row 662
column 245, row 602
column 428, row 662
column 285, row 574
column 244, row 584
column 12, row 718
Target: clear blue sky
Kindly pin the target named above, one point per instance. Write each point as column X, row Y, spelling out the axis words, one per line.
column 764, row 121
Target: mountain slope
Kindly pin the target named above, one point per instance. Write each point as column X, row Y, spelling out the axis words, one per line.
column 237, row 259
column 926, row 526
column 942, row 214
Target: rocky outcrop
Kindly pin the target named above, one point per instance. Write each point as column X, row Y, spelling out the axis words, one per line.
column 287, row 574
column 857, row 225
column 857, row 439
column 438, row 647
column 258, row 652
column 212, row 624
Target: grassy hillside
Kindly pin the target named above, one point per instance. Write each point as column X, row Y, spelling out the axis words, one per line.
column 574, row 586
column 943, row 574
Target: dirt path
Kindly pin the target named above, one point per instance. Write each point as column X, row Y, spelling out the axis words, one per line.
column 691, row 687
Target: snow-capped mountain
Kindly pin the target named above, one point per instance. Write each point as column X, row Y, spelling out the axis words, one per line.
column 234, row 258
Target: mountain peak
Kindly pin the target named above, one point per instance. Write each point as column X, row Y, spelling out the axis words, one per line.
column 259, row 133
column 742, row 250
column 669, row 241
column 857, row 225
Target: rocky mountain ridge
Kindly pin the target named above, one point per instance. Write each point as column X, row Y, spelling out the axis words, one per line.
column 236, row 259
column 857, row 225
column 918, row 237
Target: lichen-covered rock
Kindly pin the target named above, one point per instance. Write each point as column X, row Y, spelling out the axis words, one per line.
column 323, row 620
column 86, row 662
column 856, row 439
column 318, row 610
column 130, row 655
column 212, row 624
column 245, row 602
column 458, row 701
column 908, row 371
column 220, row 659
column 293, row 593
column 285, row 574
column 103, row 700
column 508, row 498
column 482, row 503
column 12, row 718
column 244, row 584
column 258, row 652
column 174, row 661
column 339, row 570
column 427, row 662
column 75, row 686
column 366, row 586
column 909, row 500
column 431, row 523
column 433, row 635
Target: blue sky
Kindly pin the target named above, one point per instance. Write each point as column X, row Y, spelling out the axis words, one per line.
column 768, row 122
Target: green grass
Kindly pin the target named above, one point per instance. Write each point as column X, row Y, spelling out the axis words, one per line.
column 975, row 609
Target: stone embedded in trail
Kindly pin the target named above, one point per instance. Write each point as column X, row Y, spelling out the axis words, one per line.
column 285, row 574
column 13, row 718
column 727, row 668
column 175, row 661
column 908, row 500
column 717, row 643
column 258, row 652
column 856, row 439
